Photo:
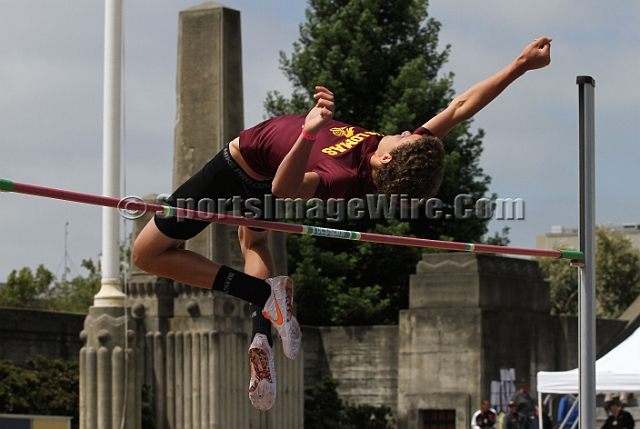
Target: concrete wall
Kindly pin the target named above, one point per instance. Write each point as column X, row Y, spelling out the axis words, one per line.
column 363, row 358
column 470, row 280
column 567, row 331
column 439, row 363
column 469, row 316
column 27, row 333
column 521, row 340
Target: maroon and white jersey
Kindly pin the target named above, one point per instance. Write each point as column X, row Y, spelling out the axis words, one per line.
column 340, row 155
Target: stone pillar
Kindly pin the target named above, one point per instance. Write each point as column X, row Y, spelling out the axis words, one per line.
column 469, row 315
column 108, row 379
column 196, row 361
column 210, row 113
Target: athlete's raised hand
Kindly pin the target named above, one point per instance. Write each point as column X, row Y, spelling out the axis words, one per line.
column 537, row 54
column 321, row 113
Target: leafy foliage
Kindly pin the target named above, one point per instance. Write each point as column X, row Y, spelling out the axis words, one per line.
column 617, row 273
column 41, row 290
column 148, row 414
column 323, row 409
column 24, row 289
column 77, row 295
column 44, row 387
column 355, row 47
column 617, row 277
column 51, row 388
column 563, row 280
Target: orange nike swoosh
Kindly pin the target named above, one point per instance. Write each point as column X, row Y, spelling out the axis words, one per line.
column 278, row 321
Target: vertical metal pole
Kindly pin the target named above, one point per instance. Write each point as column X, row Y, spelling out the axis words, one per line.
column 540, row 410
column 587, row 285
column 110, row 294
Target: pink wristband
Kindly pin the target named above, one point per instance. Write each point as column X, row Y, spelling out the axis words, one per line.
column 307, row 136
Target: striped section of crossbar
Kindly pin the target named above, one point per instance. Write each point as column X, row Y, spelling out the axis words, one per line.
column 140, row 206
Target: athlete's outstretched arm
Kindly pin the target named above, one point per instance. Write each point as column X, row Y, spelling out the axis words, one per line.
column 291, row 179
column 463, row 107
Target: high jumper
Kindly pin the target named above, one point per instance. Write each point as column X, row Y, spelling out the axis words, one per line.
column 299, row 156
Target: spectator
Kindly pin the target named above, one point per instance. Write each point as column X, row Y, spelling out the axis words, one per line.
column 566, row 402
column 619, row 418
column 512, row 420
column 533, row 420
column 485, row 417
column 525, row 404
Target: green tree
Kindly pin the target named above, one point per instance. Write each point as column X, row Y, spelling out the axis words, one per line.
column 617, row 277
column 617, row 273
column 42, row 290
column 24, row 289
column 358, row 48
column 381, row 60
column 148, row 413
column 77, row 294
column 359, row 284
column 43, row 387
column 16, row 388
column 323, row 408
column 563, row 280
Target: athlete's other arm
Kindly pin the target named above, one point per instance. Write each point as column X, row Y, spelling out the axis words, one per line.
column 463, row 107
column 291, row 179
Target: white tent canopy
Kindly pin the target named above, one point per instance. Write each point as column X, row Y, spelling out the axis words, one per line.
column 617, row 371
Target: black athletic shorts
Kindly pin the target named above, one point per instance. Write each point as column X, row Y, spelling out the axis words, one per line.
column 220, row 179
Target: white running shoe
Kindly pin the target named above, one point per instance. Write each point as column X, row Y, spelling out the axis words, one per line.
column 279, row 310
column 262, row 386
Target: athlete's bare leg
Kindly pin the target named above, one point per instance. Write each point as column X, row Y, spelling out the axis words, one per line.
column 258, row 261
column 158, row 254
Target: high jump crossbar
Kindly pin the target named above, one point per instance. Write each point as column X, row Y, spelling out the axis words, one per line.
column 143, row 207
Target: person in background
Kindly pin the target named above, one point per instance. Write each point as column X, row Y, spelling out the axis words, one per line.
column 566, row 402
column 512, row 420
column 525, row 405
column 618, row 418
column 533, row 420
column 485, row 417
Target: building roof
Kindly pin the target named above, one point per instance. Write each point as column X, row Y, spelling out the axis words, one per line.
column 567, row 237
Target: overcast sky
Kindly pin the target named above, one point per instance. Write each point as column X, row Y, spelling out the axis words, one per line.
column 51, row 74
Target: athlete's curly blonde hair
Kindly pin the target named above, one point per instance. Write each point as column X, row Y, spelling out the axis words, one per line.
column 416, row 169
